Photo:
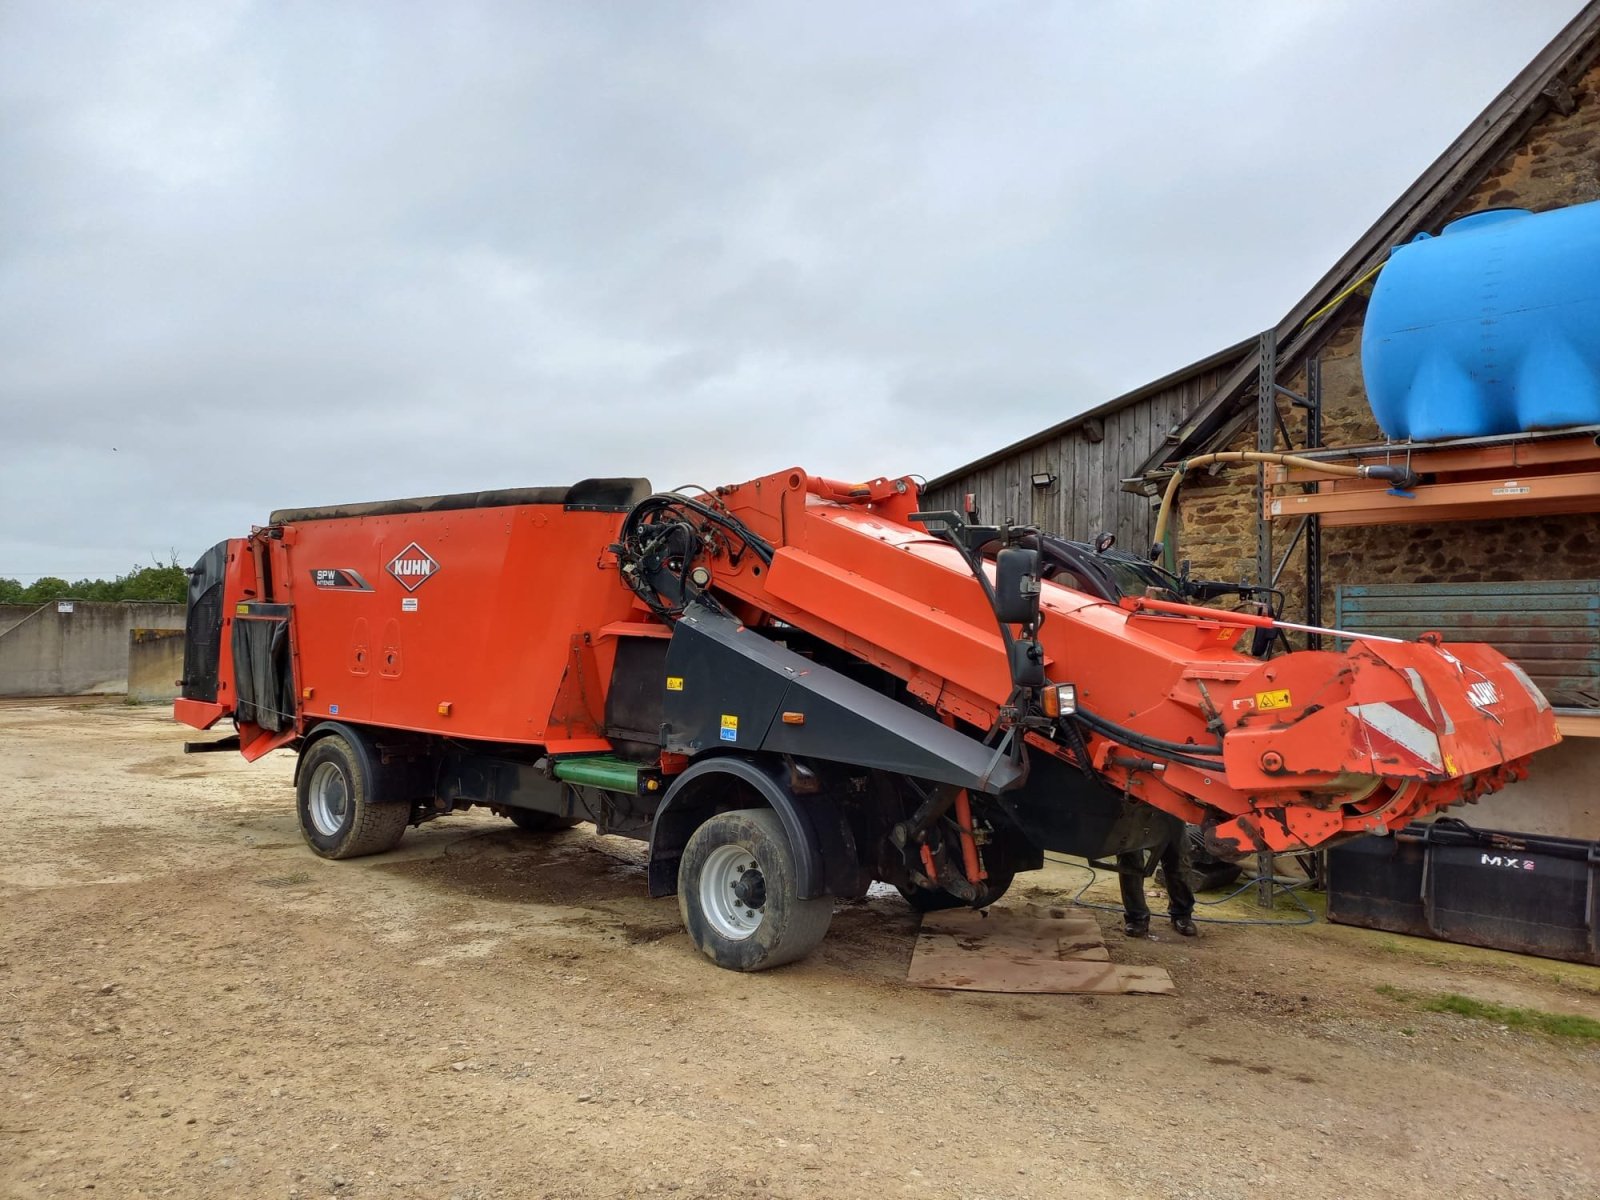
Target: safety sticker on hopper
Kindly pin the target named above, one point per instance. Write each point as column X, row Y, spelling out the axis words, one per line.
column 730, row 728
column 1270, row 700
column 674, row 683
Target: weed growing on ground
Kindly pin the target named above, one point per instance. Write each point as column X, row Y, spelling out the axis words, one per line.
column 1565, row 1025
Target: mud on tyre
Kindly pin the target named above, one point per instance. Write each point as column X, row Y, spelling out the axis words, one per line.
column 339, row 814
column 737, row 893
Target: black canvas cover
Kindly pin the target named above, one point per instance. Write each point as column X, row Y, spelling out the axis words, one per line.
column 263, row 674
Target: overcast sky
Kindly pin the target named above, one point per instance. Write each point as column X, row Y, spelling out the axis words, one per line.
column 265, row 254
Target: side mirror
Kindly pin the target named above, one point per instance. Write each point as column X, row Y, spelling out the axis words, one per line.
column 1016, row 586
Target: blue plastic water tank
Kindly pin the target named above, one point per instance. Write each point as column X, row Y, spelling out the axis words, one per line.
column 1491, row 327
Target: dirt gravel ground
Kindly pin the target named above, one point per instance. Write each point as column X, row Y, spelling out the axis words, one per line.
column 193, row 1005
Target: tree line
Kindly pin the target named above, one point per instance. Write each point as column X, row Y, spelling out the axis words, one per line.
column 163, row 581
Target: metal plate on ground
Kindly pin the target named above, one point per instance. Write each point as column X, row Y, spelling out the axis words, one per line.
column 1004, row 951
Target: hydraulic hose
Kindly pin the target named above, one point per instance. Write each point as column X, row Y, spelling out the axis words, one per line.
column 1399, row 476
column 1142, row 741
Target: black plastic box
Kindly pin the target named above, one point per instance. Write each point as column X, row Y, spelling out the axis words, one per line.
column 1481, row 887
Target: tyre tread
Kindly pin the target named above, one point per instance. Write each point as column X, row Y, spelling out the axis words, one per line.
column 806, row 921
column 375, row 827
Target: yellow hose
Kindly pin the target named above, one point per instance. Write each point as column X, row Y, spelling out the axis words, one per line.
column 1334, row 303
column 1241, row 456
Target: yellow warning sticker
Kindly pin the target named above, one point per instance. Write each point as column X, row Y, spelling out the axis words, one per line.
column 730, row 728
column 242, row 609
column 674, row 683
column 1278, row 699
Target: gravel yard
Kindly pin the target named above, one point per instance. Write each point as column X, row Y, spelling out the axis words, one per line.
column 193, row 1005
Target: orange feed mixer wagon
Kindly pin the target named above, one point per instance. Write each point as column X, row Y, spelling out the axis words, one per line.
column 793, row 687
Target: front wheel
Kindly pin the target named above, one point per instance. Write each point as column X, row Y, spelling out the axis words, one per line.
column 338, row 814
column 737, row 893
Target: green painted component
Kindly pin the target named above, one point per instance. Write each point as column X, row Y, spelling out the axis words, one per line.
column 600, row 771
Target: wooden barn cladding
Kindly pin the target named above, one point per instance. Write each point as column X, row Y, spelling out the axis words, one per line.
column 1088, row 455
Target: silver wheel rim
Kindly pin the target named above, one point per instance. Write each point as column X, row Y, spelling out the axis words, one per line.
column 330, row 799
column 732, row 892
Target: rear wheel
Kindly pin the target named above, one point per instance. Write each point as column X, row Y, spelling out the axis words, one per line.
column 338, row 814
column 737, row 893
column 532, row 820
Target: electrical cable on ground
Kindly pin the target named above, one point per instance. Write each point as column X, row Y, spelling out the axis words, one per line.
column 1310, row 917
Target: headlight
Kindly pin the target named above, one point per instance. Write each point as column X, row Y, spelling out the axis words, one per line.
column 1059, row 699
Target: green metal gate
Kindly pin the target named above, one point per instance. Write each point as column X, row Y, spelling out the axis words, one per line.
column 1551, row 628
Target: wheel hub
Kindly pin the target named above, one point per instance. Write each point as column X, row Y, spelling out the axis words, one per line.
column 733, row 892
column 329, row 799
column 750, row 889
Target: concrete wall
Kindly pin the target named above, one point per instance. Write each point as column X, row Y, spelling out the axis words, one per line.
column 1558, row 799
column 155, row 663
column 72, row 653
column 15, row 614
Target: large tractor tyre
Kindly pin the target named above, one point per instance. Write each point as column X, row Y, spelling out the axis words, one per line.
column 737, row 894
column 937, row 899
column 531, row 820
column 339, row 817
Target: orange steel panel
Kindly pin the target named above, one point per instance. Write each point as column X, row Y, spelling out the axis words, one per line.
column 1523, row 495
column 490, row 626
column 969, row 656
column 1513, row 456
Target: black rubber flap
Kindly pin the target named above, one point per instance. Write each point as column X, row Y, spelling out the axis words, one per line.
column 202, row 637
column 613, row 495
column 263, row 675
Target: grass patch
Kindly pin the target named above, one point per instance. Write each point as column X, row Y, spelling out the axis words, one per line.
column 1534, row 1020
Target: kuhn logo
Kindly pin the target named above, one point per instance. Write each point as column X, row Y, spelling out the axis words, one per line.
column 1506, row 861
column 412, row 567
column 1483, row 694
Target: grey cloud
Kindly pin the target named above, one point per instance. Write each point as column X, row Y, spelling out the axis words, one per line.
column 282, row 254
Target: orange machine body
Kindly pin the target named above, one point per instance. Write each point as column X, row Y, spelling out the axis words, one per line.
column 501, row 624
column 1316, row 744
column 496, row 624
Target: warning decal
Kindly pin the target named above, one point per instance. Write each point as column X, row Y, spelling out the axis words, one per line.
column 730, row 728
column 1269, row 700
column 674, row 683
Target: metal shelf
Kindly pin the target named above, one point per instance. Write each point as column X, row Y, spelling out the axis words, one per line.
column 1578, row 722
column 1516, row 475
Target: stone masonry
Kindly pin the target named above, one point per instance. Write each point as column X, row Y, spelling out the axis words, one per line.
column 1557, row 164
